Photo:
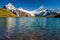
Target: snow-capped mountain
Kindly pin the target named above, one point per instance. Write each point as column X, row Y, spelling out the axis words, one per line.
column 41, row 11
column 9, row 6
column 41, row 8
column 16, row 11
column 23, row 10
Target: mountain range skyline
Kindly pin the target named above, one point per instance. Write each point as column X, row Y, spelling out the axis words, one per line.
column 32, row 4
column 41, row 11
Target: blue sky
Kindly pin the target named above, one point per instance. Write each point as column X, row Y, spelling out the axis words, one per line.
column 32, row 4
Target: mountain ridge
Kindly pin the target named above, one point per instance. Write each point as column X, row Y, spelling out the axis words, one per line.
column 41, row 11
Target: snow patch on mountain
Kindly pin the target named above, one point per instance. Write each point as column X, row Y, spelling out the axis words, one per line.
column 23, row 10
column 9, row 6
column 39, row 10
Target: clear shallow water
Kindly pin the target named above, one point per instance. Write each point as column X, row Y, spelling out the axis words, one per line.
column 45, row 28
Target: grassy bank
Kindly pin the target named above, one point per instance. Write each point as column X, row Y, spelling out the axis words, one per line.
column 6, row 13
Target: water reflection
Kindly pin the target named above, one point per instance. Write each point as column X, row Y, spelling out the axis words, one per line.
column 45, row 28
column 10, row 26
column 3, row 27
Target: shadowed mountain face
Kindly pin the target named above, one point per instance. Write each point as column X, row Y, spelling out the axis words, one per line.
column 58, row 15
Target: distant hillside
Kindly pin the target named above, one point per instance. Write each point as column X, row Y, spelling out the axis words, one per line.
column 58, row 15
column 6, row 13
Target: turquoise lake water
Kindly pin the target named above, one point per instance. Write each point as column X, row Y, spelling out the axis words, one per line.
column 49, row 28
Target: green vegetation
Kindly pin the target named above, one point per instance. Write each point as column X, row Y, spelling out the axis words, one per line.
column 6, row 13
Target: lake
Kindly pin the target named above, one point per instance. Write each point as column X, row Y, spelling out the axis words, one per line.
column 26, row 28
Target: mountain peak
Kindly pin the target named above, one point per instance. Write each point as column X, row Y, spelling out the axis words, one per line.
column 10, row 6
column 42, row 8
